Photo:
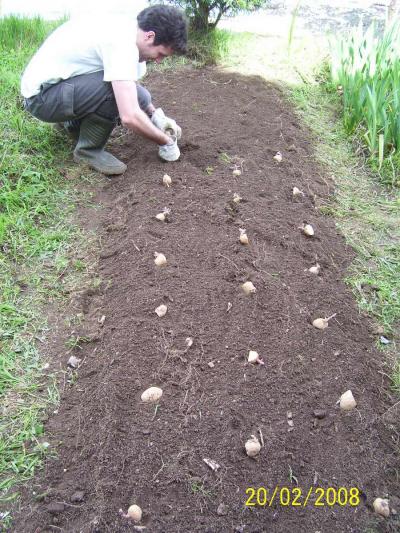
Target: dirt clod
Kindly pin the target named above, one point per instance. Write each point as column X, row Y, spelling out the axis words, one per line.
column 55, row 507
column 78, row 497
column 73, row 362
column 222, row 509
column 319, row 413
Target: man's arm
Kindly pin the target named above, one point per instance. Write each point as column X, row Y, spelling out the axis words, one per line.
column 132, row 116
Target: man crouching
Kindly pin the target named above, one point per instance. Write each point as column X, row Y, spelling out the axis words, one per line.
column 84, row 78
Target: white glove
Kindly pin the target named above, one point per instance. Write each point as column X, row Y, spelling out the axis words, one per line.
column 166, row 124
column 170, row 151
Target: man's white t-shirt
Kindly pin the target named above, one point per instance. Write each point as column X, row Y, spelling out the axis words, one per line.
column 85, row 45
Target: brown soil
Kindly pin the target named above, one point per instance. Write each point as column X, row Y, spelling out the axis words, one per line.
column 117, row 450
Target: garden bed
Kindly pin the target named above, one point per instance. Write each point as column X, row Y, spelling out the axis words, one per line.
column 114, row 450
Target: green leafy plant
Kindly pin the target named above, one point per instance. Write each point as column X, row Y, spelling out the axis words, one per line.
column 365, row 68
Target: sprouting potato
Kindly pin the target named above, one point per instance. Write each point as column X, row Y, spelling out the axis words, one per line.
column 347, row 401
column 161, row 310
column 163, row 216
column 322, row 323
column 252, row 446
column 315, row 269
column 135, row 513
column 151, row 395
column 160, row 259
column 248, row 288
column 243, row 236
column 381, row 506
column 167, row 180
column 253, row 357
column 308, row 230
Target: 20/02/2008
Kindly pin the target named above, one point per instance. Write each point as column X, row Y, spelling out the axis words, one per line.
column 297, row 497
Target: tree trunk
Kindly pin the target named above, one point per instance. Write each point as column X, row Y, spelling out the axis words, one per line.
column 214, row 24
column 200, row 19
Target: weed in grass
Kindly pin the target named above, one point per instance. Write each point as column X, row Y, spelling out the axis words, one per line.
column 396, row 378
column 72, row 377
column 96, row 282
column 73, row 321
column 76, row 342
column 225, row 158
column 197, row 487
column 79, row 265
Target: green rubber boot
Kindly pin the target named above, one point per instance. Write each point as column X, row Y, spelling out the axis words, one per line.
column 70, row 127
column 93, row 135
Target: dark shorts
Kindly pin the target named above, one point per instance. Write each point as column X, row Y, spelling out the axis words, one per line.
column 77, row 97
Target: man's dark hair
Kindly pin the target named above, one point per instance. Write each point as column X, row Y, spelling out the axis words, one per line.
column 168, row 23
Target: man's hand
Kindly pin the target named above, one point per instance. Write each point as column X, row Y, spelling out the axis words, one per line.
column 132, row 117
column 170, row 151
column 166, row 124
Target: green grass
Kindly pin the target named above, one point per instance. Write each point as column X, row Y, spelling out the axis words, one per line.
column 396, row 377
column 21, row 33
column 209, row 48
column 37, row 243
column 204, row 49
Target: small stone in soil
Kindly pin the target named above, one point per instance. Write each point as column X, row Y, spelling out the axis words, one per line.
column 319, row 413
column 73, row 361
column 222, row 509
column 78, row 496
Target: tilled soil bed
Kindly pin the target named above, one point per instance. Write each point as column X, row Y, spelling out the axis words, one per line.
column 114, row 450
